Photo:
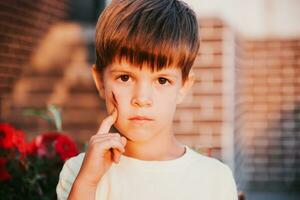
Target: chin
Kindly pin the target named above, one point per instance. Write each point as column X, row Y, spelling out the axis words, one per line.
column 137, row 135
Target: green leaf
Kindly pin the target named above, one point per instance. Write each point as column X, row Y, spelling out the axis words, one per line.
column 55, row 111
column 38, row 113
column 52, row 115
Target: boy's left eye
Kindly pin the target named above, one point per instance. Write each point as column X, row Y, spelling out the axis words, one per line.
column 162, row 81
column 124, row 78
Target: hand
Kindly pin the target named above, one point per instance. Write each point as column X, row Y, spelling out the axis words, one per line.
column 103, row 149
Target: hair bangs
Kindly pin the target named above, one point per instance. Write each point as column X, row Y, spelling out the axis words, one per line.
column 160, row 57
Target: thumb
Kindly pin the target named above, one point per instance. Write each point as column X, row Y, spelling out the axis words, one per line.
column 123, row 141
column 117, row 154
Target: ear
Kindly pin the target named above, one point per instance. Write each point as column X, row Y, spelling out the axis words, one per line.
column 186, row 87
column 97, row 76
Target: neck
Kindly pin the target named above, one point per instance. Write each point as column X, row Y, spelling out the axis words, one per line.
column 163, row 147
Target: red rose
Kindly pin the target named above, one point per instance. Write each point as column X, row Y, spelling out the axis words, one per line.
column 6, row 136
column 51, row 144
column 65, row 147
column 19, row 141
column 31, row 148
column 45, row 144
column 4, row 175
column 10, row 138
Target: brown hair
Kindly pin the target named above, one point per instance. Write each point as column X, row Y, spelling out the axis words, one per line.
column 158, row 33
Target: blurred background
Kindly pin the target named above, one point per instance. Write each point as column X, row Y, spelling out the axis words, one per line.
column 244, row 108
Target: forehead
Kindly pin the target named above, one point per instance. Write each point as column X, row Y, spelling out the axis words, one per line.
column 126, row 66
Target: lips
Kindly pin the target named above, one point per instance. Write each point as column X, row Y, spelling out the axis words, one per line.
column 141, row 118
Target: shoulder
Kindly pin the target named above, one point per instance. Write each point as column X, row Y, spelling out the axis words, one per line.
column 217, row 172
column 72, row 166
column 209, row 164
column 74, row 163
column 67, row 176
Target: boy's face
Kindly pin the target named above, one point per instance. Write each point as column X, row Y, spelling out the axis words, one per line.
column 139, row 94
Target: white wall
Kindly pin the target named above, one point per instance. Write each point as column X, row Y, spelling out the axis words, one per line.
column 254, row 18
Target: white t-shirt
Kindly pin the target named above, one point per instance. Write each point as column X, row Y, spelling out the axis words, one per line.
column 189, row 177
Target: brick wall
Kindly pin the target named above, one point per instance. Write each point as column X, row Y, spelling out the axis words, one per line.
column 22, row 24
column 199, row 120
column 267, row 114
column 58, row 73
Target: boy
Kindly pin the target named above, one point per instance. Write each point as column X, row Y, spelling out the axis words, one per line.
column 145, row 50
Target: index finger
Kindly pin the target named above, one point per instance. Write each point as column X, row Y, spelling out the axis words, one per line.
column 108, row 122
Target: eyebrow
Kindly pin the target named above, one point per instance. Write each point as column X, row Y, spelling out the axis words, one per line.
column 159, row 74
column 168, row 75
column 118, row 70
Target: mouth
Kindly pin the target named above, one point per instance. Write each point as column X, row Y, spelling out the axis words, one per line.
column 140, row 118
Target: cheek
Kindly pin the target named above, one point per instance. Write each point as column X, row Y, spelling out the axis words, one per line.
column 109, row 100
column 121, row 98
column 122, row 101
column 167, row 97
column 168, row 103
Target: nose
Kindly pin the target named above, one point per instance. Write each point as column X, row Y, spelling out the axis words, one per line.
column 142, row 96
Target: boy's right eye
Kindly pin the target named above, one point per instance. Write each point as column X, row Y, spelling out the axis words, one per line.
column 124, row 78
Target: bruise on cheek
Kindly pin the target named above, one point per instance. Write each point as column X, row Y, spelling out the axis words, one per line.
column 114, row 100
